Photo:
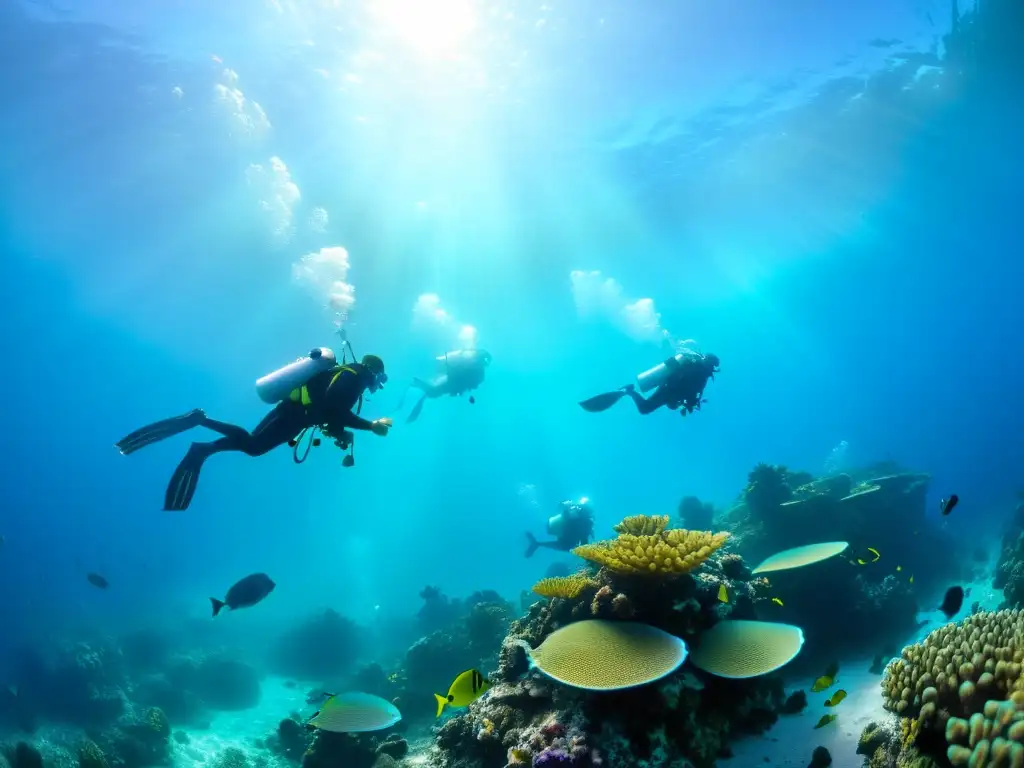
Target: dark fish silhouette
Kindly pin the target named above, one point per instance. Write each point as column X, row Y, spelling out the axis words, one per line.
column 97, row 581
column 245, row 593
column 952, row 602
column 948, row 504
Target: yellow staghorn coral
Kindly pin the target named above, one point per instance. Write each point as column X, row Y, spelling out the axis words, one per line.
column 567, row 587
column 643, row 525
column 663, row 554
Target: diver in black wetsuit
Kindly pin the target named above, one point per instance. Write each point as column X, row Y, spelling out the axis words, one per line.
column 326, row 402
column 571, row 527
column 461, row 372
column 682, row 387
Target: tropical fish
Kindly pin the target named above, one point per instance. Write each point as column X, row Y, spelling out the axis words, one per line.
column 97, row 581
column 825, row 720
column 836, row 697
column 777, row 601
column 952, row 602
column 874, row 552
column 946, row 505
column 355, row 713
column 911, row 579
column 245, row 593
column 899, row 568
column 861, row 561
column 464, row 690
column 826, row 680
column 723, row 594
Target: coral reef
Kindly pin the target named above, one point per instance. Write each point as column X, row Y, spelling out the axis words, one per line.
column 531, row 720
column 781, row 509
column 325, row 645
column 695, row 514
column 958, row 696
column 656, row 551
column 563, row 586
column 1009, row 575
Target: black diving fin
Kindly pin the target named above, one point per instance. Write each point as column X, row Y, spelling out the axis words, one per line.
column 603, row 402
column 415, row 413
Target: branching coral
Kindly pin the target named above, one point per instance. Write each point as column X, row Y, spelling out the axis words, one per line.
column 643, row 525
column 994, row 736
column 567, row 587
column 665, row 553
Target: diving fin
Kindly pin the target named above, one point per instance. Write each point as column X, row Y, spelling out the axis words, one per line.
column 603, row 402
column 415, row 414
column 182, row 487
column 531, row 544
column 160, row 430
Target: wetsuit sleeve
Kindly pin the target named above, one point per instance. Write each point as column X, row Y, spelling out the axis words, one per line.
column 339, row 400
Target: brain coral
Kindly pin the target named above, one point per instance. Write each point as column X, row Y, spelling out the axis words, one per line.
column 958, row 667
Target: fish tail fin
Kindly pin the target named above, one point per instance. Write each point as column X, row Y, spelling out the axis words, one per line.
column 441, row 701
column 531, row 544
column 217, row 605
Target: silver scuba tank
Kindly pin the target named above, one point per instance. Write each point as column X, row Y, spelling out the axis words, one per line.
column 654, row 377
column 276, row 386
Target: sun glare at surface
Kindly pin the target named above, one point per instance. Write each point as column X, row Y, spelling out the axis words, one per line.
column 431, row 27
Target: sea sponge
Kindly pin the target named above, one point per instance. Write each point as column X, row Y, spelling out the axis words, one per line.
column 568, row 587
column 985, row 649
column 665, row 553
column 643, row 525
column 992, row 737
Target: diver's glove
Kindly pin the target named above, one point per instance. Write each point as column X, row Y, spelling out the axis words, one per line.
column 380, row 427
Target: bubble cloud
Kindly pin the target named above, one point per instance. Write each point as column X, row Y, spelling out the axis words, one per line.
column 324, row 274
column 319, row 220
column 278, row 196
column 597, row 296
column 247, row 117
column 428, row 314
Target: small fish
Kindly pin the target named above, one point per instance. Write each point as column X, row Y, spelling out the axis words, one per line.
column 899, row 568
column 821, row 684
column 911, row 579
column 874, row 552
column 245, row 593
column 723, row 594
column 825, row 720
column 777, row 601
column 836, row 697
column 354, row 713
column 861, row 561
column 947, row 505
column 464, row 690
column 472, row 400
column 952, row 602
column 97, row 581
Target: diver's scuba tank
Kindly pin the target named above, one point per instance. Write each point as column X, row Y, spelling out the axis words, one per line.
column 276, row 386
column 570, row 510
column 654, row 377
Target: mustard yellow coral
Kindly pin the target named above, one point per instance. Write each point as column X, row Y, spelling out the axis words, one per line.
column 666, row 553
column 567, row 587
column 643, row 525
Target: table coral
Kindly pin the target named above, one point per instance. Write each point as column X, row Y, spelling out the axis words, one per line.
column 665, row 552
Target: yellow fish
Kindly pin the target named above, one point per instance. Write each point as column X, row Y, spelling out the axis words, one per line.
column 723, row 594
column 821, row 684
column 899, row 568
column 777, row 601
column 465, row 689
column 837, row 697
column 825, row 720
column 861, row 561
column 874, row 552
column 911, row 579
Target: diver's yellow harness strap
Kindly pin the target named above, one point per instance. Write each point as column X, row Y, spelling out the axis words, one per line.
column 301, row 394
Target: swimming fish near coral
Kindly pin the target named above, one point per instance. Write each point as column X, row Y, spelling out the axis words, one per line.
column 899, row 568
column 245, row 593
column 946, row 505
column 355, row 713
column 465, row 689
column 777, row 601
column 825, row 720
column 723, row 594
column 875, row 552
column 835, row 698
column 952, row 602
column 826, row 680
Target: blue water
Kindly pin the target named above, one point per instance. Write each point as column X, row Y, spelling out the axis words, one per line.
column 792, row 184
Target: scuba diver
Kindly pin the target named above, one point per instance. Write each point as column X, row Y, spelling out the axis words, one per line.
column 459, row 371
column 571, row 527
column 677, row 383
column 314, row 392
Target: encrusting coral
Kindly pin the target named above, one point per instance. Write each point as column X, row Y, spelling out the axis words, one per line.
column 662, row 553
column 566, row 587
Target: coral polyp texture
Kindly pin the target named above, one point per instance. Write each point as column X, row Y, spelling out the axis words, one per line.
column 992, row 737
column 566, row 587
column 957, row 666
column 664, row 552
